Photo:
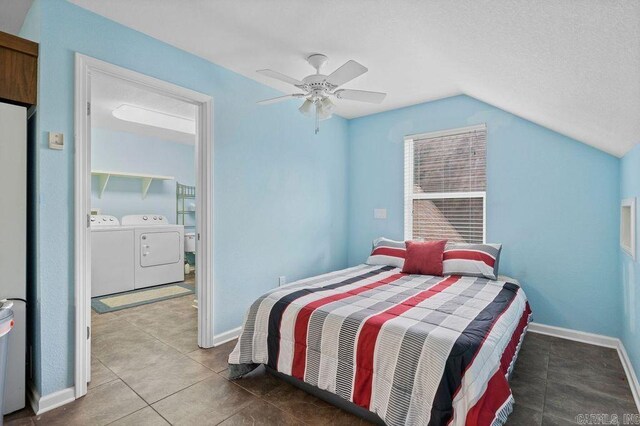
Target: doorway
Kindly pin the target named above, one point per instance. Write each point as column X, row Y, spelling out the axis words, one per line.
column 161, row 242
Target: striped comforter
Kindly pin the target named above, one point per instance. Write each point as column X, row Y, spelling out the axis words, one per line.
column 414, row 349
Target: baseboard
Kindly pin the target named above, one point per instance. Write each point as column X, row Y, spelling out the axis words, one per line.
column 227, row 336
column 42, row 404
column 631, row 374
column 598, row 340
column 575, row 335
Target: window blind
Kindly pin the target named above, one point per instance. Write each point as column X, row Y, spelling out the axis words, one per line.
column 445, row 185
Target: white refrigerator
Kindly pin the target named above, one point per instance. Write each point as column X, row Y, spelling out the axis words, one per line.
column 13, row 244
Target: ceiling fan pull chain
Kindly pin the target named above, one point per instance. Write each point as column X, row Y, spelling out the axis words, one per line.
column 317, row 118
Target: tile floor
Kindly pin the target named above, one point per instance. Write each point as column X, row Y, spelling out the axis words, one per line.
column 555, row 380
column 148, row 370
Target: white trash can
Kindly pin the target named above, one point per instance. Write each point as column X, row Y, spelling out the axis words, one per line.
column 6, row 324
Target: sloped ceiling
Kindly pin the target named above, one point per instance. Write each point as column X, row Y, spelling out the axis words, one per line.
column 572, row 66
column 12, row 15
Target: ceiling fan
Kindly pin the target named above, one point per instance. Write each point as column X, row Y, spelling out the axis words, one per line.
column 318, row 89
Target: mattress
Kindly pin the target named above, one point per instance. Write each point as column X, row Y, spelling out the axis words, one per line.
column 413, row 349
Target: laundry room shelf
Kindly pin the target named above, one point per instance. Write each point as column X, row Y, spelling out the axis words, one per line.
column 104, row 176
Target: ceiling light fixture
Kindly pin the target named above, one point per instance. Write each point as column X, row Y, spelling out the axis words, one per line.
column 306, row 108
column 327, row 105
column 149, row 117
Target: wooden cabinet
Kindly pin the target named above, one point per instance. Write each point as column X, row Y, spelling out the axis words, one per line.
column 18, row 70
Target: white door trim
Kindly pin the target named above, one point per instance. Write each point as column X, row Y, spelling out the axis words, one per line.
column 86, row 66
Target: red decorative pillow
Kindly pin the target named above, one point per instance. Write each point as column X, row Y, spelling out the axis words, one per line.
column 424, row 258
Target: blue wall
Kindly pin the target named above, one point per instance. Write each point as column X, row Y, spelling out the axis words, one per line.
column 630, row 269
column 280, row 191
column 291, row 203
column 552, row 202
column 128, row 152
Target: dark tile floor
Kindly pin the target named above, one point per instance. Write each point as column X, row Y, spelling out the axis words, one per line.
column 148, row 370
column 555, row 380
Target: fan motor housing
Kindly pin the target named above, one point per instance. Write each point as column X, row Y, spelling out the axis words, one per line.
column 316, row 83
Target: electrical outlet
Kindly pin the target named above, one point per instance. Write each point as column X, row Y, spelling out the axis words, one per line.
column 282, row 281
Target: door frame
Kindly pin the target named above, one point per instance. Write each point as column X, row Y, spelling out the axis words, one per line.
column 85, row 66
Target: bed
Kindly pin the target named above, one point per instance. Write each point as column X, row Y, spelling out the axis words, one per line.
column 410, row 349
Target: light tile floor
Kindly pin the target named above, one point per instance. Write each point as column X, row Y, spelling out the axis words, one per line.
column 148, row 370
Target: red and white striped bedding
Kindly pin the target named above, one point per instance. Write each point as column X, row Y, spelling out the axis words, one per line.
column 387, row 252
column 414, row 349
column 474, row 260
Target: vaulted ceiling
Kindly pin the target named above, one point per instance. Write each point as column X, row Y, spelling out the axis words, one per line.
column 12, row 14
column 572, row 66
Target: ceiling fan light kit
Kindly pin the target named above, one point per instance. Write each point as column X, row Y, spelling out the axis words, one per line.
column 306, row 108
column 319, row 88
column 327, row 104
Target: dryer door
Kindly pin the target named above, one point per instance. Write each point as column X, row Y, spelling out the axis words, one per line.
column 159, row 248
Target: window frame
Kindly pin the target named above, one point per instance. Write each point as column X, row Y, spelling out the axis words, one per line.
column 409, row 196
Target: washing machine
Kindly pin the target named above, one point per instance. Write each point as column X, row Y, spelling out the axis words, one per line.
column 158, row 250
column 112, row 256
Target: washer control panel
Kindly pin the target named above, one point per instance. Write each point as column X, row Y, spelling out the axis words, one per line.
column 144, row 219
column 100, row 220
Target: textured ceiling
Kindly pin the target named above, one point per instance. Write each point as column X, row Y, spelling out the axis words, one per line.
column 108, row 93
column 572, row 65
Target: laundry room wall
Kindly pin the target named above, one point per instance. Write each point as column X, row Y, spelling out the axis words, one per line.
column 131, row 153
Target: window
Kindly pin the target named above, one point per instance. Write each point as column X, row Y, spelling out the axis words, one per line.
column 445, row 185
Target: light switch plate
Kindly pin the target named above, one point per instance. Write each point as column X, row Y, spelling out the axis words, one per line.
column 56, row 140
column 282, row 281
column 379, row 213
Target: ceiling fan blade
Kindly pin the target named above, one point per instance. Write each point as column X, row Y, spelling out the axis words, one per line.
column 360, row 95
column 347, row 72
column 281, row 77
column 280, row 99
